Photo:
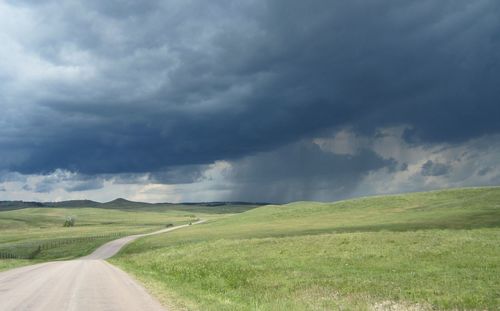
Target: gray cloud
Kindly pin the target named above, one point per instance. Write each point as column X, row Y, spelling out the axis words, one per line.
column 327, row 168
column 165, row 88
column 302, row 171
column 59, row 179
column 430, row 168
column 86, row 185
column 6, row 176
column 28, row 188
column 140, row 87
column 179, row 175
column 483, row 171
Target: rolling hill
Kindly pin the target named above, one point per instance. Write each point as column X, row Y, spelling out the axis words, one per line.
column 418, row 251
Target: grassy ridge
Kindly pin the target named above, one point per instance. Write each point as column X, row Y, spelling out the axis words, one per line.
column 421, row 251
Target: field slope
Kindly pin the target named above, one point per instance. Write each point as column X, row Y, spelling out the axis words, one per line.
column 33, row 233
column 421, row 251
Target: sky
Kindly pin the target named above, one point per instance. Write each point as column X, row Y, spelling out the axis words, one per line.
column 268, row 101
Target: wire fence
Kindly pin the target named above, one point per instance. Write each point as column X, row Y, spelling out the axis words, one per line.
column 32, row 249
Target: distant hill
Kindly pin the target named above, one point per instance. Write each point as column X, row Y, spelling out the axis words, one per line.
column 72, row 203
column 9, row 205
column 223, row 203
column 120, row 203
column 66, row 204
column 117, row 203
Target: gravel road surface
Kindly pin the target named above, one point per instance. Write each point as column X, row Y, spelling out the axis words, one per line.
column 86, row 284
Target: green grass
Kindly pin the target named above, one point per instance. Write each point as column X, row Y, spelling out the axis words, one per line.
column 22, row 231
column 436, row 250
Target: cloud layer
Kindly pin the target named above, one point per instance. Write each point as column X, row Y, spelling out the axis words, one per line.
column 112, row 92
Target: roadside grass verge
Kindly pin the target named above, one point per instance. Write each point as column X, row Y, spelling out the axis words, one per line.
column 436, row 250
column 446, row 269
column 7, row 264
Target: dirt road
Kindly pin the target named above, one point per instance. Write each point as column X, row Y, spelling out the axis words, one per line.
column 87, row 284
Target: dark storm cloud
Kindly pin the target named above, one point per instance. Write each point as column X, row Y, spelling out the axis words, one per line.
column 484, row 171
column 178, row 175
column 146, row 86
column 59, row 179
column 302, row 171
column 174, row 175
column 431, row 168
column 93, row 184
column 27, row 187
column 11, row 177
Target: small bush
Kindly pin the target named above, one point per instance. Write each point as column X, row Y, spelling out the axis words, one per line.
column 69, row 222
column 169, row 225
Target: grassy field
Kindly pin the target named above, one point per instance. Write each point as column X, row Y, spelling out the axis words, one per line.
column 38, row 233
column 423, row 251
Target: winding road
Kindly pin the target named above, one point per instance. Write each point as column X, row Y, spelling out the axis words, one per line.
column 86, row 284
